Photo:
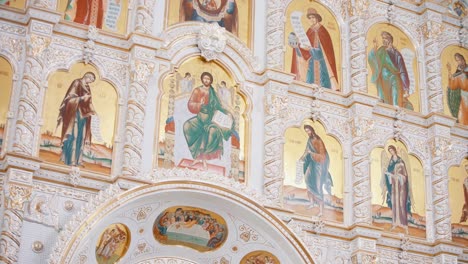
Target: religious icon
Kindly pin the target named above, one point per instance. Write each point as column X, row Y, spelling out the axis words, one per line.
column 396, row 205
column 223, row 12
column 79, row 120
column 396, row 186
column 313, row 57
column 6, row 82
column 458, row 193
column 315, row 187
column 458, row 7
column 203, row 128
column 103, row 14
column 112, row 244
column 196, row 228
column 391, row 71
column 212, row 124
column 75, row 116
column 457, row 89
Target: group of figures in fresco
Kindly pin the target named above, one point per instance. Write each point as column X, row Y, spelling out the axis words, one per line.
column 194, row 227
column 112, row 244
column 187, row 226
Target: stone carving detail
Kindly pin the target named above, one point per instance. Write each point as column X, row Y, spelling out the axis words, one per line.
column 75, row 176
column 43, row 209
column 142, row 248
column 315, row 108
column 137, row 96
column 431, row 30
column 439, row 147
column 276, row 106
column 398, row 123
column 363, row 258
column 78, row 219
column 247, row 233
column 361, row 128
column 90, row 45
column 26, row 134
column 49, row 4
column 166, row 260
column 463, row 33
column 11, row 235
column 161, row 175
column 211, row 40
column 358, row 55
column 14, row 46
column 144, row 16
column 37, row 246
column 17, row 195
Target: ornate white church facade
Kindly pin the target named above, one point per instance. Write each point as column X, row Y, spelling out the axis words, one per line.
column 231, row 131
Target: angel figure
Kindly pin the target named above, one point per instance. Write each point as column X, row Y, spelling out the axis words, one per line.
column 396, row 186
column 185, row 83
column 457, row 92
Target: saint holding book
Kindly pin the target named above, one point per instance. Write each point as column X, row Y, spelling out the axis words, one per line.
column 203, row 133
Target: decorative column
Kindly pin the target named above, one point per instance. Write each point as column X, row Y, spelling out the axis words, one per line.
column 144, row 16
column 276, row 109
column 275, row 33
column 30, row 100
column 18, row 189
column 362, row 125
column 141, row 70
column 431, row 29
column 440, row 147
column 358, row 68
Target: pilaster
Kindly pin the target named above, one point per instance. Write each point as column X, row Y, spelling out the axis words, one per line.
column 276, row 110
column 142, row 67
column 362, row 126
column 440, row 146
column 18, row 187
column 39, row 33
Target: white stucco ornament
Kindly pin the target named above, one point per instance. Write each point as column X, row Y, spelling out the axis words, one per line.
column 211, row 41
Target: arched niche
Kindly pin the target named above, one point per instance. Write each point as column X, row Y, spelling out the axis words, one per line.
column 317, row 24
column 250, row 226
column 392, row 166
column 401, row 89
column 454, row 82
column 314, row 169
column 234, row 15
column 186, row 143
column 458, row 197
column 61, row 101
column 6, row 83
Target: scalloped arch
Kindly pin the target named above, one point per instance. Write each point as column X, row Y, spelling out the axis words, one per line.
column 84, row 224
column 182, row 43
column 95, row 63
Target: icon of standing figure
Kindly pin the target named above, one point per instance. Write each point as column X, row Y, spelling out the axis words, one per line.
column 316, row 174
column 75, row 113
